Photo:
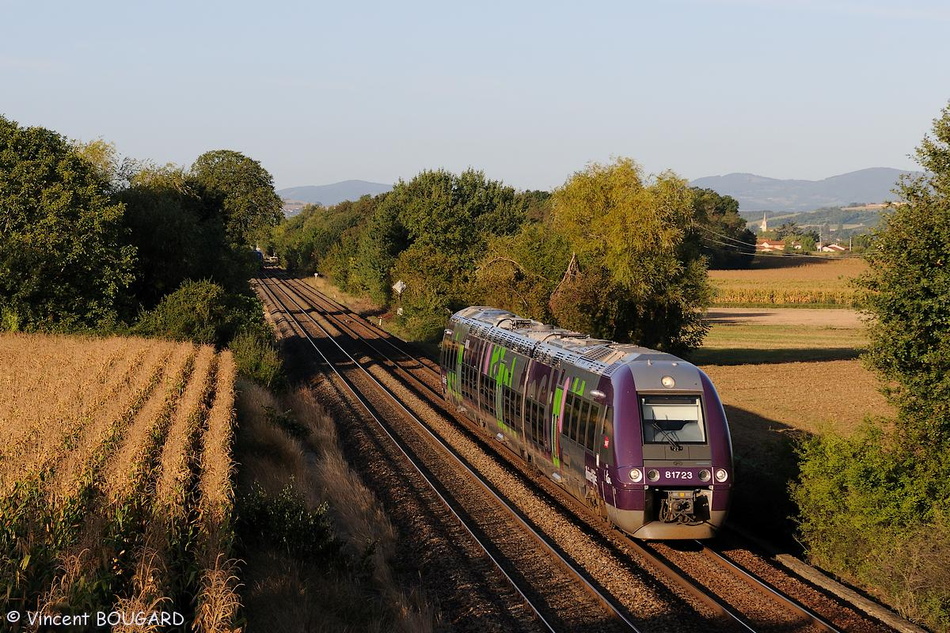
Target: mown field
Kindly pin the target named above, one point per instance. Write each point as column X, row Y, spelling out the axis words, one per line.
column 789, row 281
column 115, row 470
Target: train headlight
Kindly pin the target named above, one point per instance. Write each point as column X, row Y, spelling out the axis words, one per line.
column 704, row 475
column 722, row 474
column 653, row 474
column 636, row 475
column 668, row 382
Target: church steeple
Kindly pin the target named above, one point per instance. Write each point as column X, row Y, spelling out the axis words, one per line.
column 765, row 223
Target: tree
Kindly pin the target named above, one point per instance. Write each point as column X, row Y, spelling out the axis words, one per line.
column 63, row 260
column 436, row 211
column 786, row 229
column 240, row 190
column 305, row 240
column 888, row 483
column 727, row 243
column 908, row 293
column 519, row 272
column 176, row 238
column 637, row 247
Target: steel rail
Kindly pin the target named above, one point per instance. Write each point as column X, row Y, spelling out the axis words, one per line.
column 768, row 590
column 656, row 559
column 679, row 578
column 616, row 611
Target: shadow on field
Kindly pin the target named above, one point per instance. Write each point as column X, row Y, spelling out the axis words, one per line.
column 753, row 356
column 770, row 262
column 765, row 465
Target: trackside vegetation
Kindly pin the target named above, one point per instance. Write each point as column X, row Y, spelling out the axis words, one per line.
column 875, row 506
column 611, row 252
column 94, row 244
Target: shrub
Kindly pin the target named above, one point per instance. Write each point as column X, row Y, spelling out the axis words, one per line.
column 285, row 519
column 257, row 357
column 198, row 311
column 873, row 513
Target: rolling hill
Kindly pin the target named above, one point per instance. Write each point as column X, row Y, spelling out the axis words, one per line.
column 328, row 195
column 758, row 193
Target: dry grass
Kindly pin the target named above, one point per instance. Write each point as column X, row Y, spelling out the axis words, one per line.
column 44, row 410
column 286, row 594
column 116, row 443
column 359, row 304
column 218, row 600
column 789, row 281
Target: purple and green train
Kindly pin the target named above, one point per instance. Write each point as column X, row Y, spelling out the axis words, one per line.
column 639, row 435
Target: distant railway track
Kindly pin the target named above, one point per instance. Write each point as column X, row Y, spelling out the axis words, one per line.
column 720, row 594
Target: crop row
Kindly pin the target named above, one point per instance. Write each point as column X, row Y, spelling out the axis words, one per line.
column 778, row 294
column 118, row 494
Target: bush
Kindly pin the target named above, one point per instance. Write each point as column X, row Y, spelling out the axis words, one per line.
column 285, row 519
column 203, row 312
column 873, row 514
column 257, row 357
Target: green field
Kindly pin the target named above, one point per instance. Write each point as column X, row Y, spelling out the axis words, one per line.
column 733, row 344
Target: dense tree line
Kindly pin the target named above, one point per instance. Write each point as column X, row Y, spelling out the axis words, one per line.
column 875, row 506
column 92, row 243
column 609, row 253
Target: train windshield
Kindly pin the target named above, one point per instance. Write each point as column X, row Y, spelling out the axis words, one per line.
column 672, row 419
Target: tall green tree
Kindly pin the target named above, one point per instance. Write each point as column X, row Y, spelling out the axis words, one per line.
column 519, row 272
column 241, row 189
column 453, row 215
column 639, row 264
column 908, row 293
column 874, row 505
column 177, row 237
column 64, row 261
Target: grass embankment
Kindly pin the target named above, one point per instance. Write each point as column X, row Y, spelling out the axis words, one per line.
column 113, row 471
column 316, row 541
column 790, row 282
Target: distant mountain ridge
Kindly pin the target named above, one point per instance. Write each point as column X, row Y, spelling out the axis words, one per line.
column 758, row 193
column 329, row 195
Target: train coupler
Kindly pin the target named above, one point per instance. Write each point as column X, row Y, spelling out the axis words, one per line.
column 683, row 506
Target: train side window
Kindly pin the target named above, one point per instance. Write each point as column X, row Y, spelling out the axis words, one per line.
column 570, row 416
column 672, row 419
column 574, row 416
column 566, row 415
column 488, row 392
column 596, row 412
column 449, row 354
column 583, row 421
column 533, row 422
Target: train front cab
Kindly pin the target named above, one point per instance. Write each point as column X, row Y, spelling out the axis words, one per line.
column 673, row 454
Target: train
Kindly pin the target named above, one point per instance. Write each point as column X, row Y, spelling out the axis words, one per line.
column 638, row 435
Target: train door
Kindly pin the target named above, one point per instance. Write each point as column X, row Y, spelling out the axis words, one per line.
column 605, row 457
column 538, row 428
column 453, row 347
column 581, row 419
column 506, row 369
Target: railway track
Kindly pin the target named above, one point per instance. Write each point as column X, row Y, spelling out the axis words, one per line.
column 548, row 588
column 720, row 593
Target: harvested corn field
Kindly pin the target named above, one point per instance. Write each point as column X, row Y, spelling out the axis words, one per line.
column 115, row 470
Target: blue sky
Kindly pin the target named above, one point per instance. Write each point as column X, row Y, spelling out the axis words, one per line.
column 528, row 92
